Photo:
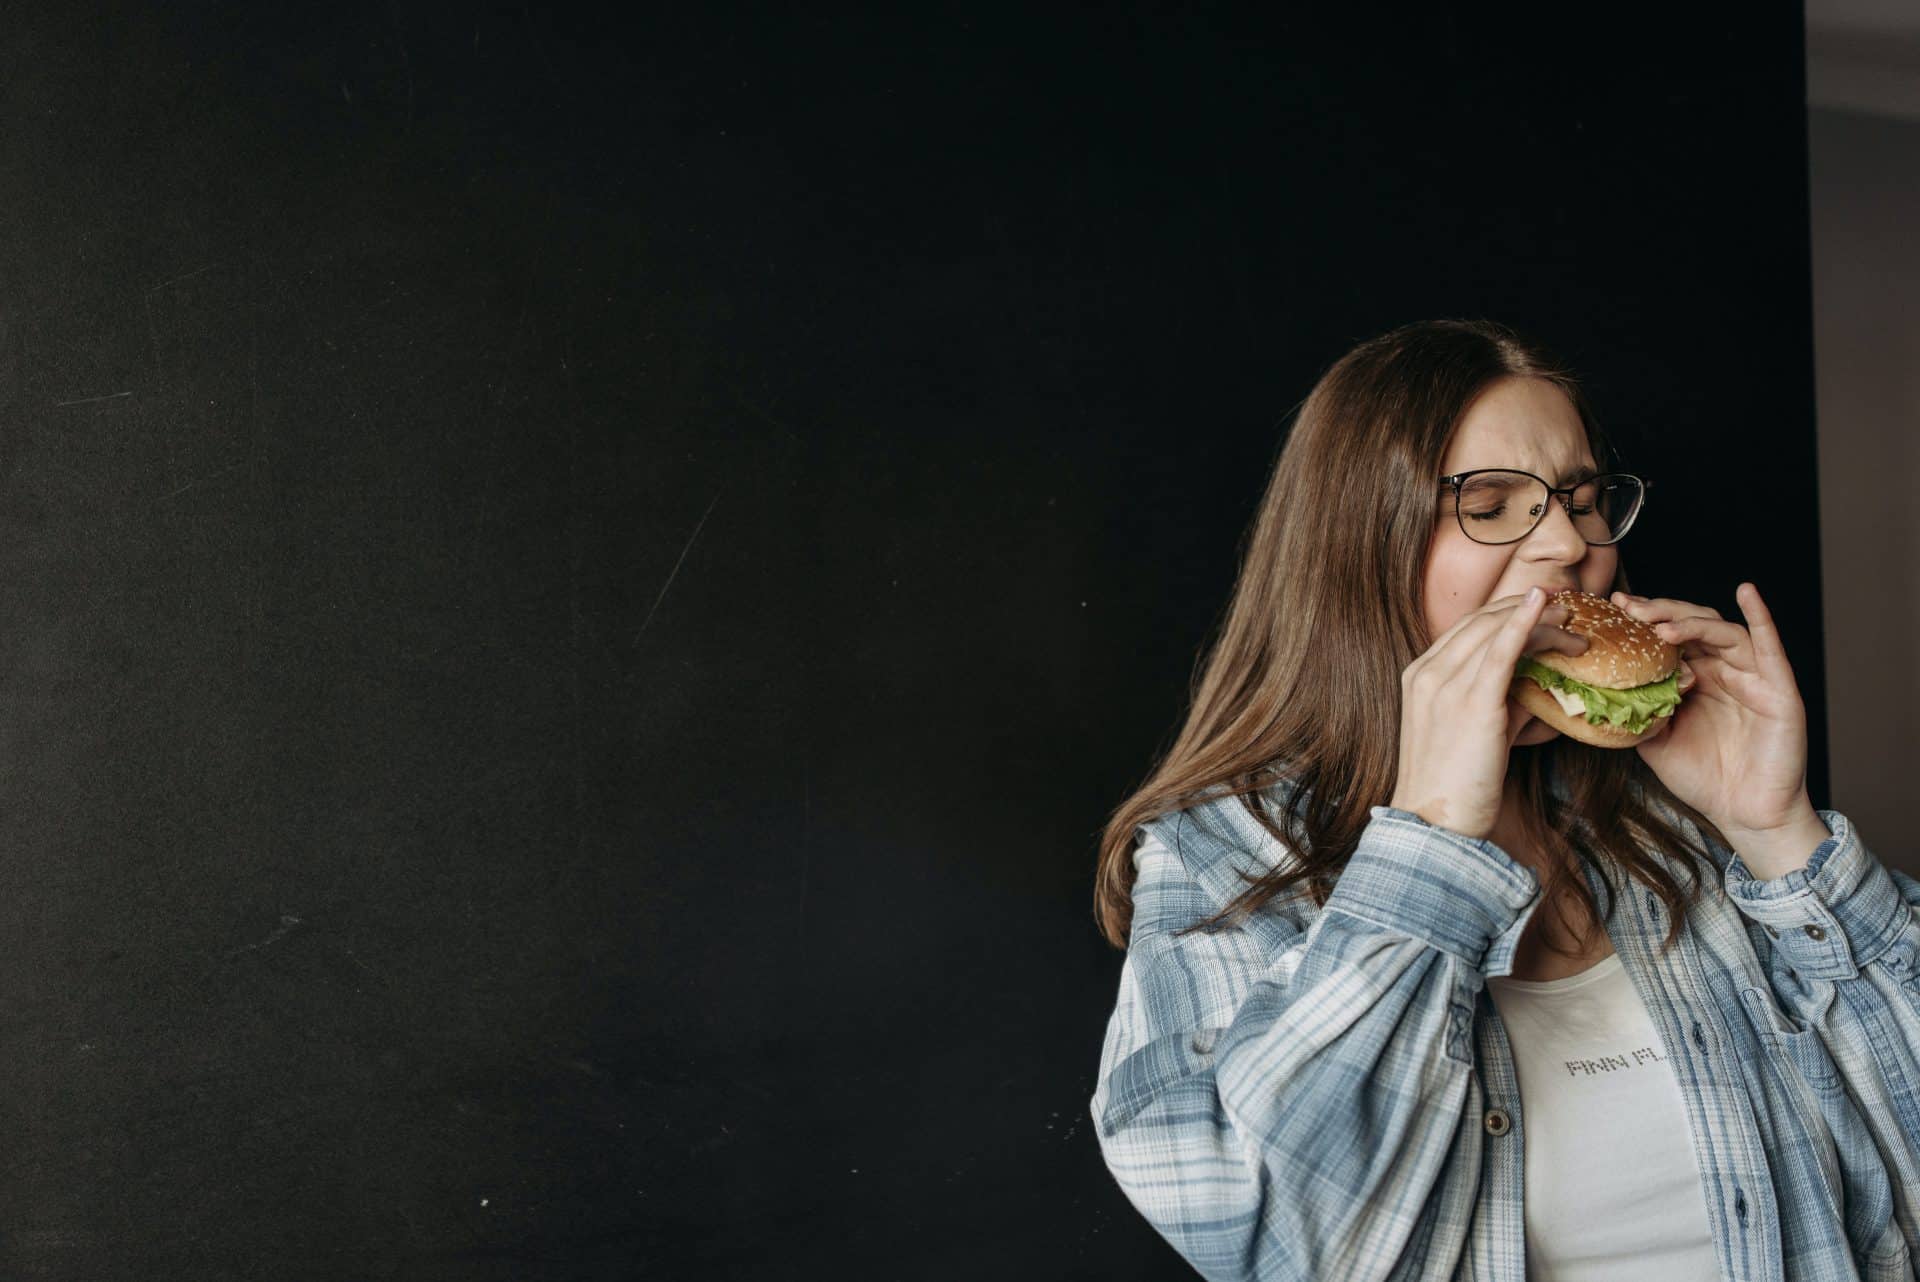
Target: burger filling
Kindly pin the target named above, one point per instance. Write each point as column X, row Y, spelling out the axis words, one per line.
column 1632, row 710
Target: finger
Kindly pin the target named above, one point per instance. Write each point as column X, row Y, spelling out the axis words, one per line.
column 1715, row 668
column 1540, row 639
column 1461, row 647
column 1520, row 630
column 1438, row 646
column 1496, row 612
column 1743, row 685
column 1729, row 640
column 1687, row 677
column 1767, row 647
column 1654, row 609
column 1544, row 637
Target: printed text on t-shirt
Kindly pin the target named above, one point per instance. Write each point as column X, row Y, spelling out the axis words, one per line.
column 1612, row 1063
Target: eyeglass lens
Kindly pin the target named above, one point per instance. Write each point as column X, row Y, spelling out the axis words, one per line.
column 1499, row 507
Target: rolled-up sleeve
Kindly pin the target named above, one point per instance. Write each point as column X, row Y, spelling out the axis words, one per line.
column 1840, row 912
column 1845, row 947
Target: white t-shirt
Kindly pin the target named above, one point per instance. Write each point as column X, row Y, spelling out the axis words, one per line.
column 1612, row 1185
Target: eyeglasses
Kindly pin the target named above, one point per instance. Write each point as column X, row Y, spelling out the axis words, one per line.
column 1503, row 505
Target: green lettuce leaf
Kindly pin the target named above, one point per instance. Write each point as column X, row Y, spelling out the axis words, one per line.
column 1633, row 710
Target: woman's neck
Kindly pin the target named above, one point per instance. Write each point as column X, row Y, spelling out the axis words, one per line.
column 1507, row 822
column 1510, row 835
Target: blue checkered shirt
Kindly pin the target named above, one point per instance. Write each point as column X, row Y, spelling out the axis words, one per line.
column 1329, row 1094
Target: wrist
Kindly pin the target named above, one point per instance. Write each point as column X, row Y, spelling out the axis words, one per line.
column 1778, row 849
column 1436, row 816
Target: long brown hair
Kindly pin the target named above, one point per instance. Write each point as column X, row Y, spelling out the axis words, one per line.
column 1274, row 703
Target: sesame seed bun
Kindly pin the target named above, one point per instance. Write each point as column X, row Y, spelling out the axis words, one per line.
column 1622, row 652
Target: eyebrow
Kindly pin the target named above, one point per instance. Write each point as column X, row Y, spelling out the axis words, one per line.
column 1585, row 472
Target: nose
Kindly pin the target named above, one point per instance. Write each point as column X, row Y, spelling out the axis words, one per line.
column 1556, row 531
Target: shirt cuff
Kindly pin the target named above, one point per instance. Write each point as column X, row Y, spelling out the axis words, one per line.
column 1835, row 915
column 1463, row 895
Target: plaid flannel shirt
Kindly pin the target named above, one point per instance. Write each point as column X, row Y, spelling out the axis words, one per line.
column 1329, row 1094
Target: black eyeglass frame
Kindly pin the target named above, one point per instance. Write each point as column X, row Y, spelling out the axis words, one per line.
column 1566, row 503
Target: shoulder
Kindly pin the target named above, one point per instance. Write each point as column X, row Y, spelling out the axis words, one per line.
column 1191, row 863
column 1221, row 829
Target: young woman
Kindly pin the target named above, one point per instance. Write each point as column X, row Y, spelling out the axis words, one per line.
column 1417, row 987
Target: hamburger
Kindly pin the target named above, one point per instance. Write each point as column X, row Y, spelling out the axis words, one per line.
column 1619, row 693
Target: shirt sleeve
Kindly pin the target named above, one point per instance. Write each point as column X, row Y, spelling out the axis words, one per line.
column 1845, row 933
column 1288, row 1103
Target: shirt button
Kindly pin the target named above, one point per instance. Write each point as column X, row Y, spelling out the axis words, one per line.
column 1814, row 932
column 1497, row 1121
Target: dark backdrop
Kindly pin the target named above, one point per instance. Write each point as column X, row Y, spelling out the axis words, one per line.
column 577, row 588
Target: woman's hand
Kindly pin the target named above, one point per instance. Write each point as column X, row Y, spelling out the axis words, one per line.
column 1456, row 722
column 1736, row 750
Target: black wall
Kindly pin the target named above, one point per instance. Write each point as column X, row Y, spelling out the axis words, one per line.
column 577, row 588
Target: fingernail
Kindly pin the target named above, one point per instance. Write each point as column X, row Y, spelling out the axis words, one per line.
column 1534, row 595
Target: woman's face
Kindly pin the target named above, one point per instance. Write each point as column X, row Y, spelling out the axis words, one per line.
column 1524, row 423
